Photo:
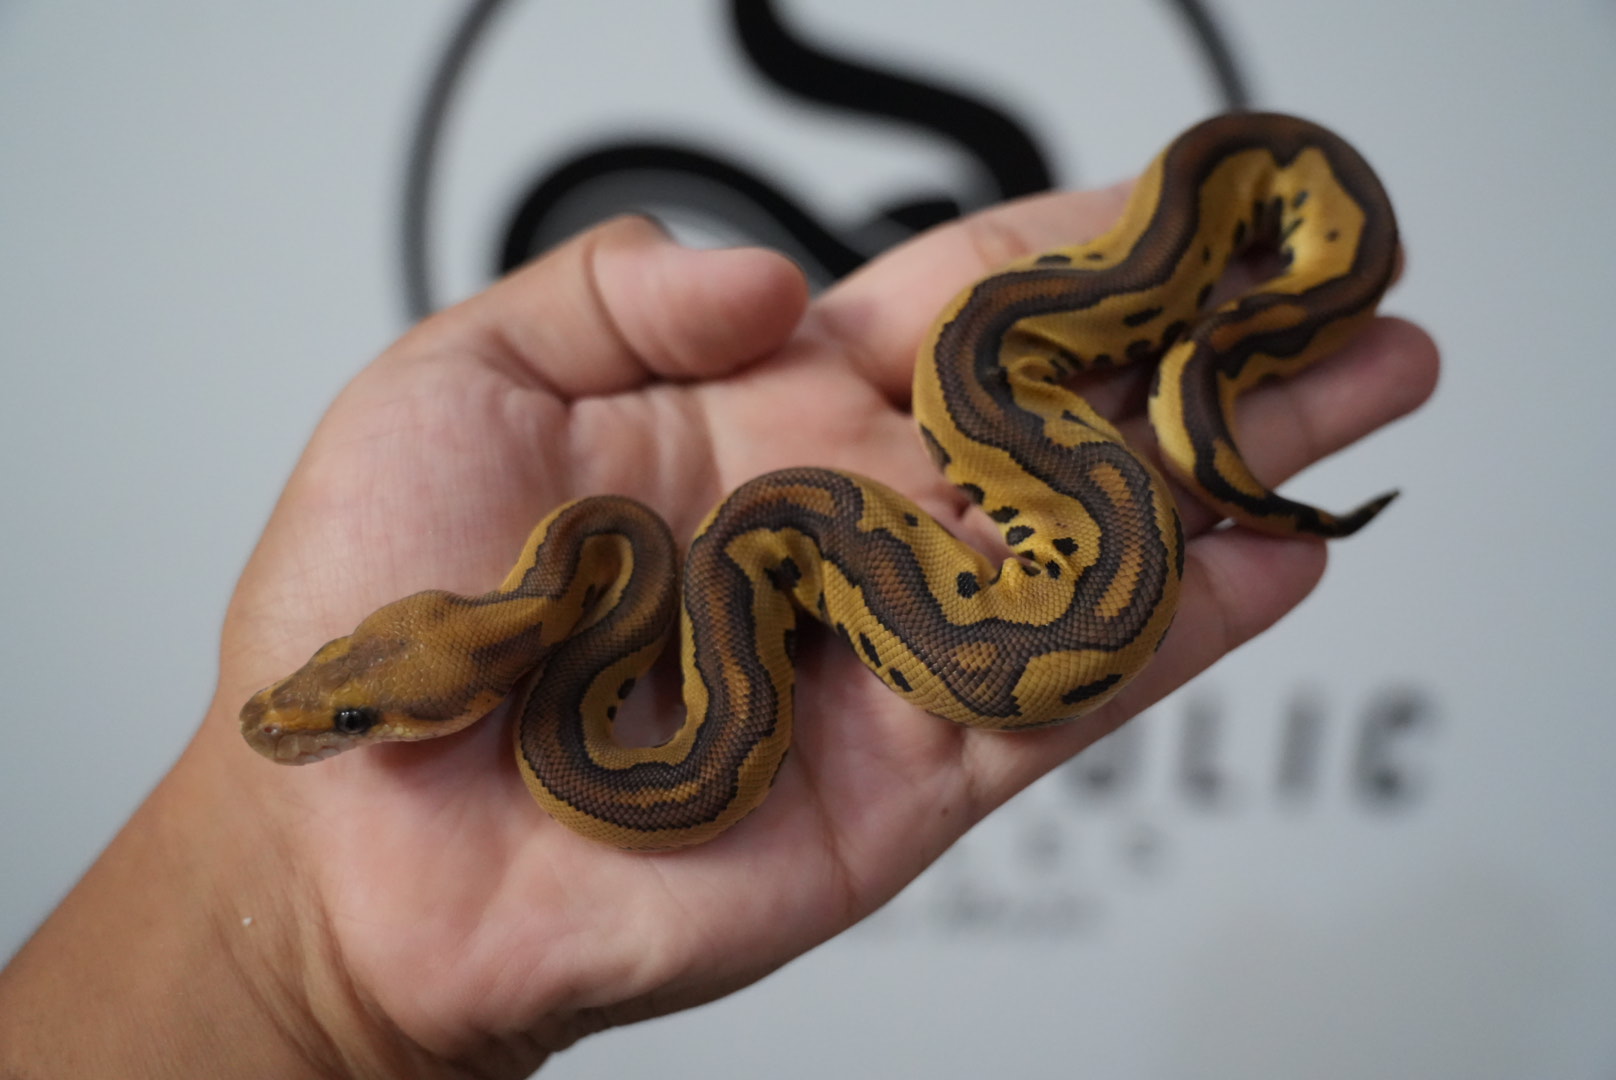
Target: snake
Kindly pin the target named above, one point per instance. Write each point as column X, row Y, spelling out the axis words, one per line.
column 1054, row 627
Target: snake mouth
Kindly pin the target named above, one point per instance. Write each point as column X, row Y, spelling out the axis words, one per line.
column 295, row 747
column 298, row 754
column 268, row 732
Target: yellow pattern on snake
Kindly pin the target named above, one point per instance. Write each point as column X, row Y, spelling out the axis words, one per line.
column 1052, row 632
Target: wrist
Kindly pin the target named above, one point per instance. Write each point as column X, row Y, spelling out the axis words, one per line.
column 193, row 946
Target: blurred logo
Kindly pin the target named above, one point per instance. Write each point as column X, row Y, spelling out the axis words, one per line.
column 716, row 184
column 1115, row 818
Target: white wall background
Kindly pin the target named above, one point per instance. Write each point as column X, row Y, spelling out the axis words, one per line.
column 197, row 213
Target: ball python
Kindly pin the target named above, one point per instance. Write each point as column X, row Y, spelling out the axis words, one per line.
column 1051, row 631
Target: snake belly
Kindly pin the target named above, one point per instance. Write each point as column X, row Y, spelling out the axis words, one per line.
column 1052, row 631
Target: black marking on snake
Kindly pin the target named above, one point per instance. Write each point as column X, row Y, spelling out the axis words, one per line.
column 1203, row 296
column 1239, row 234
column 1141, row 317
column 1053, row 568
column 1004, row 514
column 1030, row 571
column 1103, row 360
column 786, row 575
column 1300, row 199
column 626, row 689
column 1054, row 258
column 869, row 649
column 1091, row 690
column 974, row 493
column 1018, row 534
column 1065, row 545
column 527, row 641
column 910, row 519
column 898, row 680
column 966, row 584
column 611, row 712
column 1178, row 547
column 935, row 448
column 1095, row 256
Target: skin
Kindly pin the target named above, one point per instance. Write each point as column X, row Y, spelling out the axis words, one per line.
column 413, row 913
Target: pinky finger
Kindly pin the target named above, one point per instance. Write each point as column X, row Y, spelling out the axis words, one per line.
column 1237, row 583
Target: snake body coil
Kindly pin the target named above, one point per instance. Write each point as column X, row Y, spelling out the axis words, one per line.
column 1052, row 632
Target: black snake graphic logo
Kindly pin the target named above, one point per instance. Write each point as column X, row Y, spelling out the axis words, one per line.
column 614, row 177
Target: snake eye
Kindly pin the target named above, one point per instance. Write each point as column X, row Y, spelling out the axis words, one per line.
column 352, row 721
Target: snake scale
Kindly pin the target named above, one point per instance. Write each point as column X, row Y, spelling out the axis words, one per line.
column 1052, row 631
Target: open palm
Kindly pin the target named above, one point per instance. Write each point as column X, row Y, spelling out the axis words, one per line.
column 624, row 364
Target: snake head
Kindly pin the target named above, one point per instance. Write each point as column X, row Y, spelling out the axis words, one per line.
column 322, row 709
column 396, row 677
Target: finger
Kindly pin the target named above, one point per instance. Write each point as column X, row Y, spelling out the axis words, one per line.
column 622, row 304
column 1237, row 584
column 878, row 315
column 1382, row 374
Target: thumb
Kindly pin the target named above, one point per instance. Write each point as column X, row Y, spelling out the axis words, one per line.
column 622, row 304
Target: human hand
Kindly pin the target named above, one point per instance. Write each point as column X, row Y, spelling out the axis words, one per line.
column 436, row 914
